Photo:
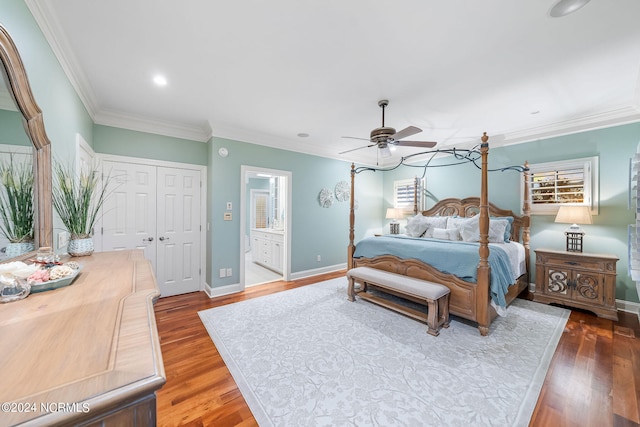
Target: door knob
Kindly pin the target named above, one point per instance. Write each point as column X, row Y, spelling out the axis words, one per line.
column 162, row 239
column 148, row 239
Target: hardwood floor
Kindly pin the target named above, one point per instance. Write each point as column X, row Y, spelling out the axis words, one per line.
column 593, row 380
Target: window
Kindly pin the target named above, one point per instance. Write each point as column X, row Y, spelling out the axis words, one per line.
column 404, row 192
column 563, row 182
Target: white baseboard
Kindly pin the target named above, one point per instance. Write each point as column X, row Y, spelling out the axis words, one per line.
column 317, row 271
column 222, row 290
column 232, row 289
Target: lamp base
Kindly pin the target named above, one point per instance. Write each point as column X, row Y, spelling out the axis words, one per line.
column 394, row 228
column 574, row 241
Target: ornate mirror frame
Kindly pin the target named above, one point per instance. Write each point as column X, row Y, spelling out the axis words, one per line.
column 18, row 86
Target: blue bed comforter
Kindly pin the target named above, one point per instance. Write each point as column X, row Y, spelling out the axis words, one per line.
column 454, row 257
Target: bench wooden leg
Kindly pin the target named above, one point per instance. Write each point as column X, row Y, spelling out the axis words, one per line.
column 438, row 315
column 432, row 318
column 351, row 295
column 444, row 310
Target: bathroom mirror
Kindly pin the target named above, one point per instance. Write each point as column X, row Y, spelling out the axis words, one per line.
column 19, row 91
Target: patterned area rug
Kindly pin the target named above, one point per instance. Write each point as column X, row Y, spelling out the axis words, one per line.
column 309, row 357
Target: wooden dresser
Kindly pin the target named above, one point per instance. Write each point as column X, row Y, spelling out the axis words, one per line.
column 86, row 354
column 577, row 279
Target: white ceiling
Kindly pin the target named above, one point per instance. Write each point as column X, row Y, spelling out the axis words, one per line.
column 262, row 72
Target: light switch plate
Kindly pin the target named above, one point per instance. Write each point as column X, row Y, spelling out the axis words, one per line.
column 229, row 206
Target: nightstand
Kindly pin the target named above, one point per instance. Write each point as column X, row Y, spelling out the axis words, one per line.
column 577, row 279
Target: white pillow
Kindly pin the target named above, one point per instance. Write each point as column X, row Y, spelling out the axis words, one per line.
column 445, row 233
column 435, row 222
column 416, row 226
column 496, row 230
column 470, row 230
column 455, row 223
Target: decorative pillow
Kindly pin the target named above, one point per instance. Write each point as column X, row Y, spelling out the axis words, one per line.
column 470, row 230
column 445, row 233
column 433, row 223
column 497, row 230
column 507, row 230
column 455, row 223
column 417, row 226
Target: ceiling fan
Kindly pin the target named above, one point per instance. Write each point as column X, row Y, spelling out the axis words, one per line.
column 386, row 136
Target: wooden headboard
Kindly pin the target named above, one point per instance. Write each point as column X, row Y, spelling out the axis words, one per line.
column 471, row 206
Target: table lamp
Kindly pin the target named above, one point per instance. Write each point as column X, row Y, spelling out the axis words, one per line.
column 575, row 215
column 394, row 214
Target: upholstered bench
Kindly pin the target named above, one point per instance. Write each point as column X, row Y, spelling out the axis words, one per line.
column 435, row 295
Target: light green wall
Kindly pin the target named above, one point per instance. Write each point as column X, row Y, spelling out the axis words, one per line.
column 123, row 142
column 608, row 234
column 315, row 230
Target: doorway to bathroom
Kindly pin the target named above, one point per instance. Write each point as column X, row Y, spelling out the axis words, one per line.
column 265, row 225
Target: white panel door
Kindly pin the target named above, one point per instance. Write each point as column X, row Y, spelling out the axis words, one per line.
column 129, row 212
column 178, row 230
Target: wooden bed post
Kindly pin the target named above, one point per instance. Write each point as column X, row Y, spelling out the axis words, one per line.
column 484, row 270
column 352, row 219
column 415, row 196
column 526, row 212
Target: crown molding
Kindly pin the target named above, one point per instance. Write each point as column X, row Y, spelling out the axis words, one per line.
column 51, row 28
column 617, row 117
column 141, row 124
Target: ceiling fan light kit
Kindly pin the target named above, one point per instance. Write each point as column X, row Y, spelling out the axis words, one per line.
column 566, row 7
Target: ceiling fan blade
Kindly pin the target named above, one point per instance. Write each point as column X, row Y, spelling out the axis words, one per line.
column 355, row 137
column 422, row 144
column 354, row 149
column 411, row 130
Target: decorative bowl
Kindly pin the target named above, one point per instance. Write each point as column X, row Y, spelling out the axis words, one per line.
column 55, row 284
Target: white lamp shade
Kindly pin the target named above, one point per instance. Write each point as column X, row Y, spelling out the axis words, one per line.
column 394, row 213
column 569, row 214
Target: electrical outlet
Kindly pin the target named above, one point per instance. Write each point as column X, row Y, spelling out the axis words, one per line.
column 319, row 258
column 223, row 272
column 62, row 239
column 229, row 272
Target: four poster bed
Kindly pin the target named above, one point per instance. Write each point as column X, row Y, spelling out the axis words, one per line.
column 476, row 295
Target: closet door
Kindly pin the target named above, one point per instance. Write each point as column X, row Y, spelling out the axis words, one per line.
column 129, row 212
column 178, row 230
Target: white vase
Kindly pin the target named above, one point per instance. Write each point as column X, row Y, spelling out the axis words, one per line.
column 16, row 249
column 80, row 247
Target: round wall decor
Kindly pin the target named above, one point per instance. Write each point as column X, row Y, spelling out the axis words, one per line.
column 325, row 198
column 343, row 191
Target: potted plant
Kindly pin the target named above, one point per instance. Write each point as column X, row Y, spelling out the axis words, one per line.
column 77, row 198
column 16, row 206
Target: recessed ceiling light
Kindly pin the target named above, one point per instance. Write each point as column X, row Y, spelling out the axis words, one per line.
column 160, row 80
column 566, row 7
column 303, row 135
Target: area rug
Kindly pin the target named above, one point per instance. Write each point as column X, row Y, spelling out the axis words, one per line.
column 309, row 357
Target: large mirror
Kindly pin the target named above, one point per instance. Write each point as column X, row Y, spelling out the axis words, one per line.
column 18, row 104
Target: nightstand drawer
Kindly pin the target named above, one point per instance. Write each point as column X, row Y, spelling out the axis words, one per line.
column 585, row 264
